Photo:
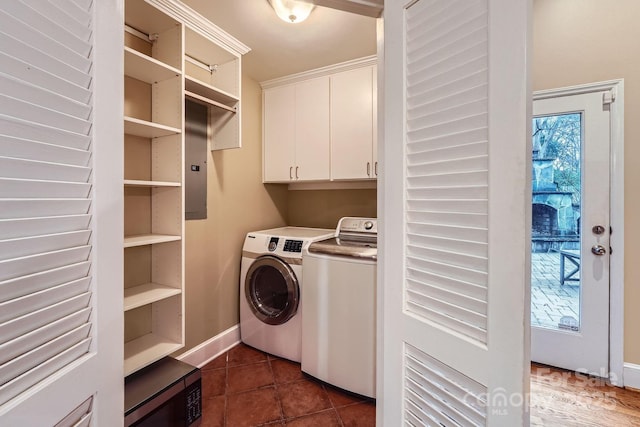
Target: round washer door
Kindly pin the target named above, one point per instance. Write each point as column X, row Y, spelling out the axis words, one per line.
column 272, row 291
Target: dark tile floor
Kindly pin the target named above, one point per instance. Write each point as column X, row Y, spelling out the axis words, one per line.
column 246, row 387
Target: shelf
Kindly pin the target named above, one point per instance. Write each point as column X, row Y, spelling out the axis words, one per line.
column 145, row 68
column 145, row 129
column 138, row 183
column 149, row 239
column 210, row 102
column 146, row 350
column 199, row 88
column 147, row 293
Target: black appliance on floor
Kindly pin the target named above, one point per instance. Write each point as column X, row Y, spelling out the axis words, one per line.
column 167, row 393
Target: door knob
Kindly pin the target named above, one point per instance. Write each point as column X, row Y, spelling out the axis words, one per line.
column 598, row 250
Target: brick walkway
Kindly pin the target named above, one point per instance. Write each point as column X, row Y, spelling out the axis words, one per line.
column 550, row 301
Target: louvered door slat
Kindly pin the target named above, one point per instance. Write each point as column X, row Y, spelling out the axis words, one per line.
column 468, row 136
column 35, row 282
column 36, row 76
column 35, row 301
column 37, row 337
column 450, row 244
column 40, row 151
column 26, row 227
column 33, row 20
column 32, row 245
column 33, row 188
column 471, row 150
column 36, row 169
column 473, row 178
column 15, row 267
column 450, row 288
column 44, row 116
column 38, row 355
column 462, row 233
column 35, row 56
column 45, row 98
column 67, row 14
column 11, row 25
column 79, row 417
column 42, row 371
column 472, row 192
column 25, row 208
column 15, row 327
column 475, row 277
column 20, row 129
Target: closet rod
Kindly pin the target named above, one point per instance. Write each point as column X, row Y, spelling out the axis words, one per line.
column 139, row 34
column 195, row 61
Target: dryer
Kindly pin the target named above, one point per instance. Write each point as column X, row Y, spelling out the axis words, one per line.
column 271, row 287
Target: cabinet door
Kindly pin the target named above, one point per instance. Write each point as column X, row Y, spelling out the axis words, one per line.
column 279, row 134
column 352, row 124
column 312, row 130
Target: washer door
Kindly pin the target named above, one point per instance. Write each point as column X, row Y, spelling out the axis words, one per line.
column 272, row 290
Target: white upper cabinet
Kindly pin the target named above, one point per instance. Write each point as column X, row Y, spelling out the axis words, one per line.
column 279, row 133
column 320, row 125
column 296, row 132
column 352, row 125
column 312, row 130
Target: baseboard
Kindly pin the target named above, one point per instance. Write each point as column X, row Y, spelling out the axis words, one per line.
column 207, row 351
column 631, row 375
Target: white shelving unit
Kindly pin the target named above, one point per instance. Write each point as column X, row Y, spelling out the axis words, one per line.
column 162, row 38
column 154, row 222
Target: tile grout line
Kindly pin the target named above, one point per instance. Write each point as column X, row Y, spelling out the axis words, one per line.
column 226, row 387
column 324, row 387
column 275, row 387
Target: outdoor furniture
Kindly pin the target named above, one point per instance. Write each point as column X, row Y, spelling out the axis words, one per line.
column 574, row 258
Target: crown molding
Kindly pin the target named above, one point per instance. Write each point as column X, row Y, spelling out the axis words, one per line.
column 320, row 72
column 201, row 25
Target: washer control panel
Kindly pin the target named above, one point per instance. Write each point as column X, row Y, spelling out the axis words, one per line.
column 293, row 245
column 358, row 225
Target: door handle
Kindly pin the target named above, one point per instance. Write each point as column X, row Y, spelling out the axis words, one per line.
column 290, row 172
column 297, row 177
column 598, row 250
column 368, row 168
column 375, row 168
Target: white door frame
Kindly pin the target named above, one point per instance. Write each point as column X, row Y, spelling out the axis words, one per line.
column 616, row 278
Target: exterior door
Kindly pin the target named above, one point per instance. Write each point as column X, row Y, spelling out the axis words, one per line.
column 61, row 168
column 455, row 214
column 570, row 232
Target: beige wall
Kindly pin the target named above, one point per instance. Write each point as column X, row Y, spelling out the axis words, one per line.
column 323, row 208
column 237, row 203
column 582, row 41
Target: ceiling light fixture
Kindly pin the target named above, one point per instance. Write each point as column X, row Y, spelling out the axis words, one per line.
column 292, row 11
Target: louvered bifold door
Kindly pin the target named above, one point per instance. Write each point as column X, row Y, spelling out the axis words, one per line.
column 45, row 189
column 454, row 210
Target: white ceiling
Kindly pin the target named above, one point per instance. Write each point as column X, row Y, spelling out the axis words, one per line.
column 279, row 48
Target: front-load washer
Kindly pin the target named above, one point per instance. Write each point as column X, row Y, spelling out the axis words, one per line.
column 271, row 286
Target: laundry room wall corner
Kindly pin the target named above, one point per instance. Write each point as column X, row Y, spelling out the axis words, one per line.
column 237, row 202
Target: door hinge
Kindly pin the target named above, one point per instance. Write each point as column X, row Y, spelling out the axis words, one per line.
column 608, row 97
